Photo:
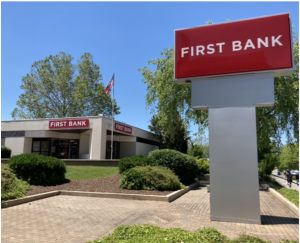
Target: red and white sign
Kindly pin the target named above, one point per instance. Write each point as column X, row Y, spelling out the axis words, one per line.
column 123, row 128
column 76, row 123
column 254, row 45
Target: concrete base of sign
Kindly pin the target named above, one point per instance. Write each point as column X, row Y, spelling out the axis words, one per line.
column 234, row 185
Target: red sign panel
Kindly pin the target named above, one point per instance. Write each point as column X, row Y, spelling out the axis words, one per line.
column 123, row 128
column 253, row 45
column 75, row 123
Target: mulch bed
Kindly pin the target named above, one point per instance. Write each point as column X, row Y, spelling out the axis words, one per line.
column 106, row 184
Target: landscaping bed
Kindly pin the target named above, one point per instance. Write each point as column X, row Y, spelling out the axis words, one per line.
column 106, row 184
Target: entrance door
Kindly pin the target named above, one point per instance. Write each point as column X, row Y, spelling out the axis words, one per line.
column 74, row 149
column 116, row 150
column 65, row 148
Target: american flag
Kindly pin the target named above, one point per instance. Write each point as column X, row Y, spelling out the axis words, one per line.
column 111, row 83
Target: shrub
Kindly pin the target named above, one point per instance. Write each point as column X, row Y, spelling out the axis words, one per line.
column 38, row 169
column 5, row 152
column 184, row 166
column 203, row 165
column 137, row 160
column 11, row 186
column 150, row 178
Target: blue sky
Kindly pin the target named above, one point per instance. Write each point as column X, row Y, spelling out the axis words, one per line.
column 121, row 36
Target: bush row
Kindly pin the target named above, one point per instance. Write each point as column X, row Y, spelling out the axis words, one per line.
column 134, row 161
column 38, row 169
column 5, row 152
column 150, row 178
column 203, row 165
column 182, row 165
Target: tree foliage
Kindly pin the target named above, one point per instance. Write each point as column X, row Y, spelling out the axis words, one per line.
column 166, row 99
column 283, row 117
column 199, row 147
column 289, row 153
column 56, row 87
column 268, row 157
column 178, row 142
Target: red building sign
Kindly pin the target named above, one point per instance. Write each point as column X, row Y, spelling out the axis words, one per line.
column 123, row 128
column 246, row 46
column 74, row 123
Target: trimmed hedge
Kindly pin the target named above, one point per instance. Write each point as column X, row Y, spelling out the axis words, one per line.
column 150, row 178
column 38, row 169
column 5, row 152
column 184, row 166
column 11, row 186
column 137, row 160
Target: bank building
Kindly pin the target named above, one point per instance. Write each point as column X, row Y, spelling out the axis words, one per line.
column 87, row 138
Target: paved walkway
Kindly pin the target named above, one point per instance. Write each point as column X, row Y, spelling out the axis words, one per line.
column 80, row 219
column 282, row 181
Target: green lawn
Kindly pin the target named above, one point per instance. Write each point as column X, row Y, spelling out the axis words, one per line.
column 86, row 172
column 89, row 172
column 290, row 194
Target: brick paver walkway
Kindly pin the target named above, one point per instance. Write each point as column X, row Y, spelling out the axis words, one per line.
column 80, row 219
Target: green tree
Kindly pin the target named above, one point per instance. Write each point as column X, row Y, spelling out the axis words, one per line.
column 283, row 117
column 56, row 87
column 178, row 142
column 167, row 99
column 198, row 147
column 268, row 158
column 289, row 153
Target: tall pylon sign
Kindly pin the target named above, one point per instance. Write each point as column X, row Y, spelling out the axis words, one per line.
column 231, row 67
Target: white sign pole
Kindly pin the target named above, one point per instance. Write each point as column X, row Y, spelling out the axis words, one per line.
column 112, row 120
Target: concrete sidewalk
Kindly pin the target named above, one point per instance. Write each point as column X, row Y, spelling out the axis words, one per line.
column 80, row 219
column 282, row 181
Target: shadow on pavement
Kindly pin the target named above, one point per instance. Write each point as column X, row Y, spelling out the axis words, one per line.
column 269, row 220
column 199, row 187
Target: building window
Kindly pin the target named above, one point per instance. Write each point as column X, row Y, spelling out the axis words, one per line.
column 59, row 148
column 2, row 141
column 41, row 146
column 147, row 141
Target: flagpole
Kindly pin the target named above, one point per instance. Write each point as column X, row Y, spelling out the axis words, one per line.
column 112, row 120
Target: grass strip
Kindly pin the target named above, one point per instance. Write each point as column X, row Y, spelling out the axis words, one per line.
column 155, row 234
column 290, row 194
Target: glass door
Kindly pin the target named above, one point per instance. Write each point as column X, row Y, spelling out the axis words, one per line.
column 116, row 150
column 74, row 149
column 63, row 149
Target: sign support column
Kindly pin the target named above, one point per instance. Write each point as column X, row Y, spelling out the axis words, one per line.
column 234, row 185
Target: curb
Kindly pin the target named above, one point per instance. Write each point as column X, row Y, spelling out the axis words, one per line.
column 168, row 198
column 286, row 202
column 18, row 201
